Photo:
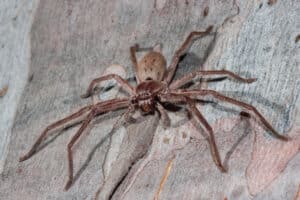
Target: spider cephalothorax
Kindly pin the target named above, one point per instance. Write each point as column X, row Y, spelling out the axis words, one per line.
column 147, row 92
column 150, row 73
column 155, row 87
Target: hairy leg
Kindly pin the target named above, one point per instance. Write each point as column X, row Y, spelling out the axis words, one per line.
column 186, row 44
column 248, row 107
column 179, row 98
column 197, row 74
column 213, row 147
column 72, row 142
column 111, row 105
column 53, row 126
column 99, row 108
column 123, row 83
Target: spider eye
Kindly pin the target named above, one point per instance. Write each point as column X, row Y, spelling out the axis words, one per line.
column 149, row 79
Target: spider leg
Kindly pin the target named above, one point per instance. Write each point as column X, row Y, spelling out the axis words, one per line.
column 72, row 142
column 187, row 78
column 163, row 113
column 99, row 108
column 123, row 83
column 186, row 44
column 50, row 127
column 196, row 93
column 180, row 98
column 212, row 143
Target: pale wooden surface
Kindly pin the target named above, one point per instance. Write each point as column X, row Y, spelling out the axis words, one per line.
column 73, row 42
column 15, row 24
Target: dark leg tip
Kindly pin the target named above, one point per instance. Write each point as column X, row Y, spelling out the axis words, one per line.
column 245, row 114
column 68, row 185
column 84, row 96
column 135, row 47
column 251, row 80
column 285, row 138
column 209, row 29
column 23, row 158
column 223, row 169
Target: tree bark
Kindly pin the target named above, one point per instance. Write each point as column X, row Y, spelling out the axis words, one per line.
column 73, row 42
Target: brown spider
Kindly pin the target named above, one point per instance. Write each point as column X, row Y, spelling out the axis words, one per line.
column 154, row 88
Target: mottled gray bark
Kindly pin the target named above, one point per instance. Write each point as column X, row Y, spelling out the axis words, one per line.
column 72, row 42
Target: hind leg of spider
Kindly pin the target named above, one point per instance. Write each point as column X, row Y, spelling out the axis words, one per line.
column 123, row 83
column 248, row 107
column 72, row 142
column 186, row 44
column 189, row 77
column 182, row 97
column 51, row 127
column 213, row 147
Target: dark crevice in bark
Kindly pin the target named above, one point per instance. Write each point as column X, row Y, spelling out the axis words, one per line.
column 126, row 174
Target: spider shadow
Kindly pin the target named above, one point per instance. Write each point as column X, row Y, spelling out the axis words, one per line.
column 243, row 124
column 96, row 147
column 110, row 115
column 190, row 61
column 261, row 100
column 54, row 134
column 115, row 127
column 140, row 119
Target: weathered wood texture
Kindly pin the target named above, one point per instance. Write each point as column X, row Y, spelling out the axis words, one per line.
column 73, row 42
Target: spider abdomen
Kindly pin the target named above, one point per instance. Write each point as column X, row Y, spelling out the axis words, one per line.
column 152, row 67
